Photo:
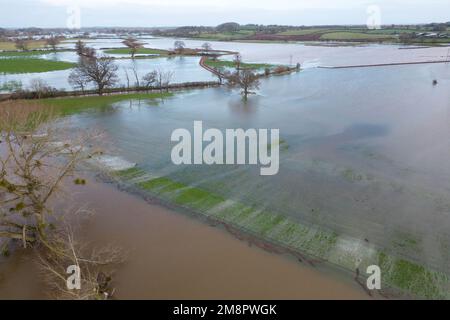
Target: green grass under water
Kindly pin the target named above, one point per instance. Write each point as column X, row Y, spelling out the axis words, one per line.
column 72, row 105
column 410, row 277
column 139, row 51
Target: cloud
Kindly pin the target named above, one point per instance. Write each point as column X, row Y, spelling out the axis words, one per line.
column 284, row 5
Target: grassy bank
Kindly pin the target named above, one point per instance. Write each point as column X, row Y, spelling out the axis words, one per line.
column 73, row 105
column 32, row 65
column 139, row 51
column 27, row 53
column 220, row 64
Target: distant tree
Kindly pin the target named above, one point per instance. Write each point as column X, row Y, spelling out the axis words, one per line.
column 441, row 27
column 228, row 27
column 100, row 71
column 207, row 47
column 247, row 80
column 179, row 46
column 133, row 44
column 53, row 42
column 21, row 44
column 84, row 51
column 78, row 80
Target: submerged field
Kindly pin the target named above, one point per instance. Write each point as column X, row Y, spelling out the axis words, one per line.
column 351, row 190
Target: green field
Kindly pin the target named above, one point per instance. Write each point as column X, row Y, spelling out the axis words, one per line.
column 241, row 34
column 32, row 65
column 73, row 105
column 139, row 51
column 26, row 53
column 219, row 64
column 354, row 36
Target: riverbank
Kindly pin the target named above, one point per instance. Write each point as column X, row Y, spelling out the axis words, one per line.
column 172, row 256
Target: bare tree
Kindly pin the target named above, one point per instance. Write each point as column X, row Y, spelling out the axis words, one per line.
column 179, row 46
column 133, row 45
column 136, row 76
column 163, row 79
column 78, row 80
column 40, row 87
column 150, row 78
column 247, row 80
column 33, row 166
column 21, row 44
column 53, row 42
column 84, row 51
column 207, row 47
column 100, row 71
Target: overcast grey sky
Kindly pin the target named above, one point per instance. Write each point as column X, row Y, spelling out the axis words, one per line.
column 149, row 13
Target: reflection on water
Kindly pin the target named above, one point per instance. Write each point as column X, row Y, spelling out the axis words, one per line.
column 367, row 150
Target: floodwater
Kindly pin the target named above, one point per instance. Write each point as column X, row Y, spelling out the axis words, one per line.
column 366, row 150
column 172, row 256
column 367, row 153
column 187, row 69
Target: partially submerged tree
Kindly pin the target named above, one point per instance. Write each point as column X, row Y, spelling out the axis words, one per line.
column 32, row 169
column 133, row 44
column 102, row 72
column 35, row 160
column 247, row 80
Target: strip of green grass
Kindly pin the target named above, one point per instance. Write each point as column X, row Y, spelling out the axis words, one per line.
column 26, row 53
column 72, row 105
column 15, row 66
column 139, row 51
column 231, row 64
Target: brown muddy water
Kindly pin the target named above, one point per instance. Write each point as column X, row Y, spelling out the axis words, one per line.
column 174, row 256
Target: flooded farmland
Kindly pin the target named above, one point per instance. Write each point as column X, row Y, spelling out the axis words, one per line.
column 364, row 174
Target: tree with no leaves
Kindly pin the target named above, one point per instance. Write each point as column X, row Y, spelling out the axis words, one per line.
column 21, row 44
column 133, row 45
column 163, row 79
column 33, row 167
column 78, row 80
column 246, row 79
column 150, row 78
column 207, row 47
column 53, row 42
column 179, row 46
column 100, row 71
